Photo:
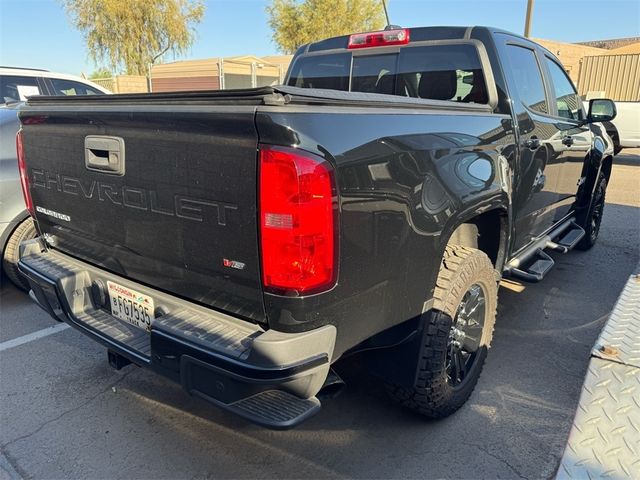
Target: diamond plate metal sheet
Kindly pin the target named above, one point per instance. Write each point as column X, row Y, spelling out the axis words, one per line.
column 619, row 341
column 604, row 441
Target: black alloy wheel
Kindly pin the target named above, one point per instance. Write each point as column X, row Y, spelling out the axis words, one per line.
column 465, row 335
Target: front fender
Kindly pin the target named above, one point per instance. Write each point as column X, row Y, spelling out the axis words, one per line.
column 601, row 153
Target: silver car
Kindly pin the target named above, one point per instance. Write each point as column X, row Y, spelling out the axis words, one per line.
column 16, row 84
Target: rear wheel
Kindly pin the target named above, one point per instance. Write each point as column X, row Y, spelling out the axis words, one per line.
column 454, row 349
column 593, row 219
column 24, row 231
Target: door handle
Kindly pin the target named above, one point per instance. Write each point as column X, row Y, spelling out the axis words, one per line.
column 532, row 143
column 104, row 154
column 568, row 141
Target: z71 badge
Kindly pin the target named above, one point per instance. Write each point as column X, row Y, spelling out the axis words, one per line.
column 233, row 264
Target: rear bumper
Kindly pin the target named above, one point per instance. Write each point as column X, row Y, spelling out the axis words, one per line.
column 266, row 376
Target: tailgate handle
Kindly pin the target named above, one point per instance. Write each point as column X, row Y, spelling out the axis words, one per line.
column 104, row 154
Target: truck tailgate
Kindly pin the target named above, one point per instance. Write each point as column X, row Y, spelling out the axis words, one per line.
column 160, row 193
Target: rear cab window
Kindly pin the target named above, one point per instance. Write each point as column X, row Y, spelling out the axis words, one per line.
column 451, row 72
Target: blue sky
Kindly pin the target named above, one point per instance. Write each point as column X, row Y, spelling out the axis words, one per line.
column 37, row 33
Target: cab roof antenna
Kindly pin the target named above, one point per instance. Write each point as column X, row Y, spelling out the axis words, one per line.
column 386, row 14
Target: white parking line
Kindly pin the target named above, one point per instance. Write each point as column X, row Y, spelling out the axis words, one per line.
column 30, row 337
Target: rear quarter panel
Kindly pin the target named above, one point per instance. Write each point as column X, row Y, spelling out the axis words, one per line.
column 406, row 179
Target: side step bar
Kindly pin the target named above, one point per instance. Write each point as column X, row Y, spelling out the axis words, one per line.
column 537, row 266
column 534, row 263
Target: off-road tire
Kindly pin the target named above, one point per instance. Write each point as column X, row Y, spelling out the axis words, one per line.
column 24, row 231
column 432, row 395
column 591, row 227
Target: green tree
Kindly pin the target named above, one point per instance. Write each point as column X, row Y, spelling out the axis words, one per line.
column 101, row 73
column 128, row 35
column 296, row 22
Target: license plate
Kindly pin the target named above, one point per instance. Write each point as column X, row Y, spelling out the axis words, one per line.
column 131, row 306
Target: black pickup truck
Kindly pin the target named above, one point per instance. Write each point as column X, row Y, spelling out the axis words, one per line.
column 240, row 242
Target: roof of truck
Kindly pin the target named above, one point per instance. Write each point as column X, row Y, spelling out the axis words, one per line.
column 417, row 34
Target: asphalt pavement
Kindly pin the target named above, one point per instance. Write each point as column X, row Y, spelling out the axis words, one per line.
column 64, row 413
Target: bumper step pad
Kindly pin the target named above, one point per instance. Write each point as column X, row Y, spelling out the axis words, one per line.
column 275, row 409
column 132, row 337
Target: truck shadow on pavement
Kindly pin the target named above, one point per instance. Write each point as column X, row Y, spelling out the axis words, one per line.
column 515, row 425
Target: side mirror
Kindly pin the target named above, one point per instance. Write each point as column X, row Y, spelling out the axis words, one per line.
column 601, row 110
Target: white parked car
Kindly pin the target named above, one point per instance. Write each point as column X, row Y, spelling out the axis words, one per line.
column 627, row 124
column 16, row 84
column 624, row 130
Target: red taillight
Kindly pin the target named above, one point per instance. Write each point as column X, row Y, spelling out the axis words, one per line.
column 379, row 39
column 297, row 221
column 24, row 177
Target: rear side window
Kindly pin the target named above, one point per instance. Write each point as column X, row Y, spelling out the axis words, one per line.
column 70, row 87
column 437, row 72
column 567, row 98
column 16, row 88
column 528, row 78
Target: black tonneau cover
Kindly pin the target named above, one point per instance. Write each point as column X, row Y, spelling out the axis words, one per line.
column 276, row 95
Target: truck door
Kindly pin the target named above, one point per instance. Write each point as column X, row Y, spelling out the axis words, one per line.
column 537, row 171
column 572, row 140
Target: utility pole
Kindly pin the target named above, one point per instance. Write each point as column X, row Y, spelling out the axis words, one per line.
column 527, row 22
column 149, row 82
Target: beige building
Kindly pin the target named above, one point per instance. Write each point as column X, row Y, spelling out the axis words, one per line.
column 612, row 72
column 610, row 76
column 123, row 83
column 570, row 54
column 219, row 73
